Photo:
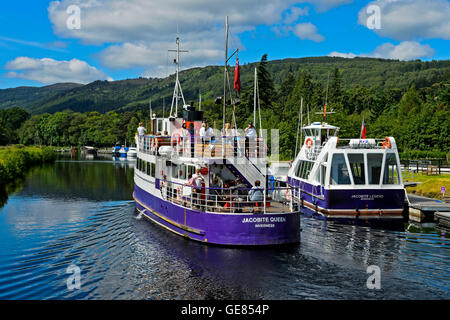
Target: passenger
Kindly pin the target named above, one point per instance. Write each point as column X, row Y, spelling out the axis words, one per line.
column 256, row 195
column 141, row 130
column 250, row 137
column 202, row 134
column 227, row 132
column 239, row 193
column 191, row 131
column 166, row 133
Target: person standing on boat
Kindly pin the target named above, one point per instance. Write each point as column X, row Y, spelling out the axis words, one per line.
column 141, row 130
column 202, row 134
column 191, row 131
column 250, row 137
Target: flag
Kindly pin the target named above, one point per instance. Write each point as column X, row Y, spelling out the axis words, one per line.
column 237, row 77
column 363, row 130
column 325, row 111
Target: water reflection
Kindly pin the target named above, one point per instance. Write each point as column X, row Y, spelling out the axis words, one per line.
column 81, row 212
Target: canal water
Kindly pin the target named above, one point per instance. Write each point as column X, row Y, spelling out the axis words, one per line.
column 80, row 212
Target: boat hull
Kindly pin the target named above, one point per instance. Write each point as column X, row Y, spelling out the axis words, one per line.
column 219, row 228
column 350, row 205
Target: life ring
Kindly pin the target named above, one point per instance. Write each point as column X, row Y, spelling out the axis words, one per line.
column 387, row 143
column 308, row 143
column 288, row 195
column 179, row 193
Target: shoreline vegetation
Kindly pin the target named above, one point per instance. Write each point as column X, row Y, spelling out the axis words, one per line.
column 15, row 160
column 430, row 186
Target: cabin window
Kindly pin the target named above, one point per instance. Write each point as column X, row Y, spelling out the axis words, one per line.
column 374, row 161
column 339, row 171
column 182, row 172
column 356, row 161
column 174, row 170
column 391, row 175
column 190, row 170
column 304, row 168
column 152, row 169
column 147, row 168
column 323, row 171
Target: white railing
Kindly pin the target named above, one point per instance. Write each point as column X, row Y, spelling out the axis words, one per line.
column 229, row 200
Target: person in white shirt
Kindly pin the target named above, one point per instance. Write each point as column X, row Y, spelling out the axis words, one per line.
column 250, row 135
column 202, row 134
column 141, row 130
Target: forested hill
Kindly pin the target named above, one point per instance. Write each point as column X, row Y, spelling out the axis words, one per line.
column 126, row 95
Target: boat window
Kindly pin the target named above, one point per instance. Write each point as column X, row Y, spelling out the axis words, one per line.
column 339, row 171
column 323, row 171
column 304, row 168
column 190, row 170
column 174, row 170
column 374, row 161
column 147, row 165
column 182, row 172
column 356, row 161
column 391, row 175
column 153, row 169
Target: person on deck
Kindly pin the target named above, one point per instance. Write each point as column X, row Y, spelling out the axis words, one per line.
column 256, row 195
column 250, row 137
column 141, row 130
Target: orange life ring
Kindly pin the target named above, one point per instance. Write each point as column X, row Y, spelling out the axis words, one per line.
column 308, row 143
column 388, row 143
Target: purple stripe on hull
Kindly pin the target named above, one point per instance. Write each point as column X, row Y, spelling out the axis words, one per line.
column 224, row 229
column 350, row 203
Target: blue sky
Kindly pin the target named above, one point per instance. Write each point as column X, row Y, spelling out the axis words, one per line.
column 118, row 39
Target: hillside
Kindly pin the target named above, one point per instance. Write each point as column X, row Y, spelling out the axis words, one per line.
column 123, row 95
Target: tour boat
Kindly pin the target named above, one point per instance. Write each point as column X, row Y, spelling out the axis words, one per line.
column 219, row 208
column 348, row 180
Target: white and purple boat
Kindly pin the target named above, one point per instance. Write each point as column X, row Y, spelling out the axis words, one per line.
column 355, row 181
column 230, row 204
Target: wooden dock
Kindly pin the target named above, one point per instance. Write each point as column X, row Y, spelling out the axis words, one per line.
column 422, row 209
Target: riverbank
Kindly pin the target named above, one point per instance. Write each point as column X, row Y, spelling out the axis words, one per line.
column 16, row 159
column 430, row 186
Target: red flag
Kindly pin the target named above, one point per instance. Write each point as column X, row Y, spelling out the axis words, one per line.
column 363, row 130
column 237, row 77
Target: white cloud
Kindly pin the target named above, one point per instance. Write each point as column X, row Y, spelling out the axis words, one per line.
column 48, row 70
column 342, row 55
column 324, row 5
column 411, row 19
column 406, row 50
column 307, row 31
column 294, row 13
column 139, row 32
column 109, row 21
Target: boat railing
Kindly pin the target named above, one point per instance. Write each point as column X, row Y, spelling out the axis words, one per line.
column 230, row 200
column 376, row 144
column 204, row 147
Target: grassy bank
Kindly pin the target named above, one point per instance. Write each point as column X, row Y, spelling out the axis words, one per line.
column 430, row 186
column 15, row 160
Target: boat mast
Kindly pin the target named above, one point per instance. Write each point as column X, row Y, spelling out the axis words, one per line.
column 225, row 72
column 300, row 116
column 177, row 92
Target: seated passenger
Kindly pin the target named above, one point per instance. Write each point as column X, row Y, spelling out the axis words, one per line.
column 256, row 195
